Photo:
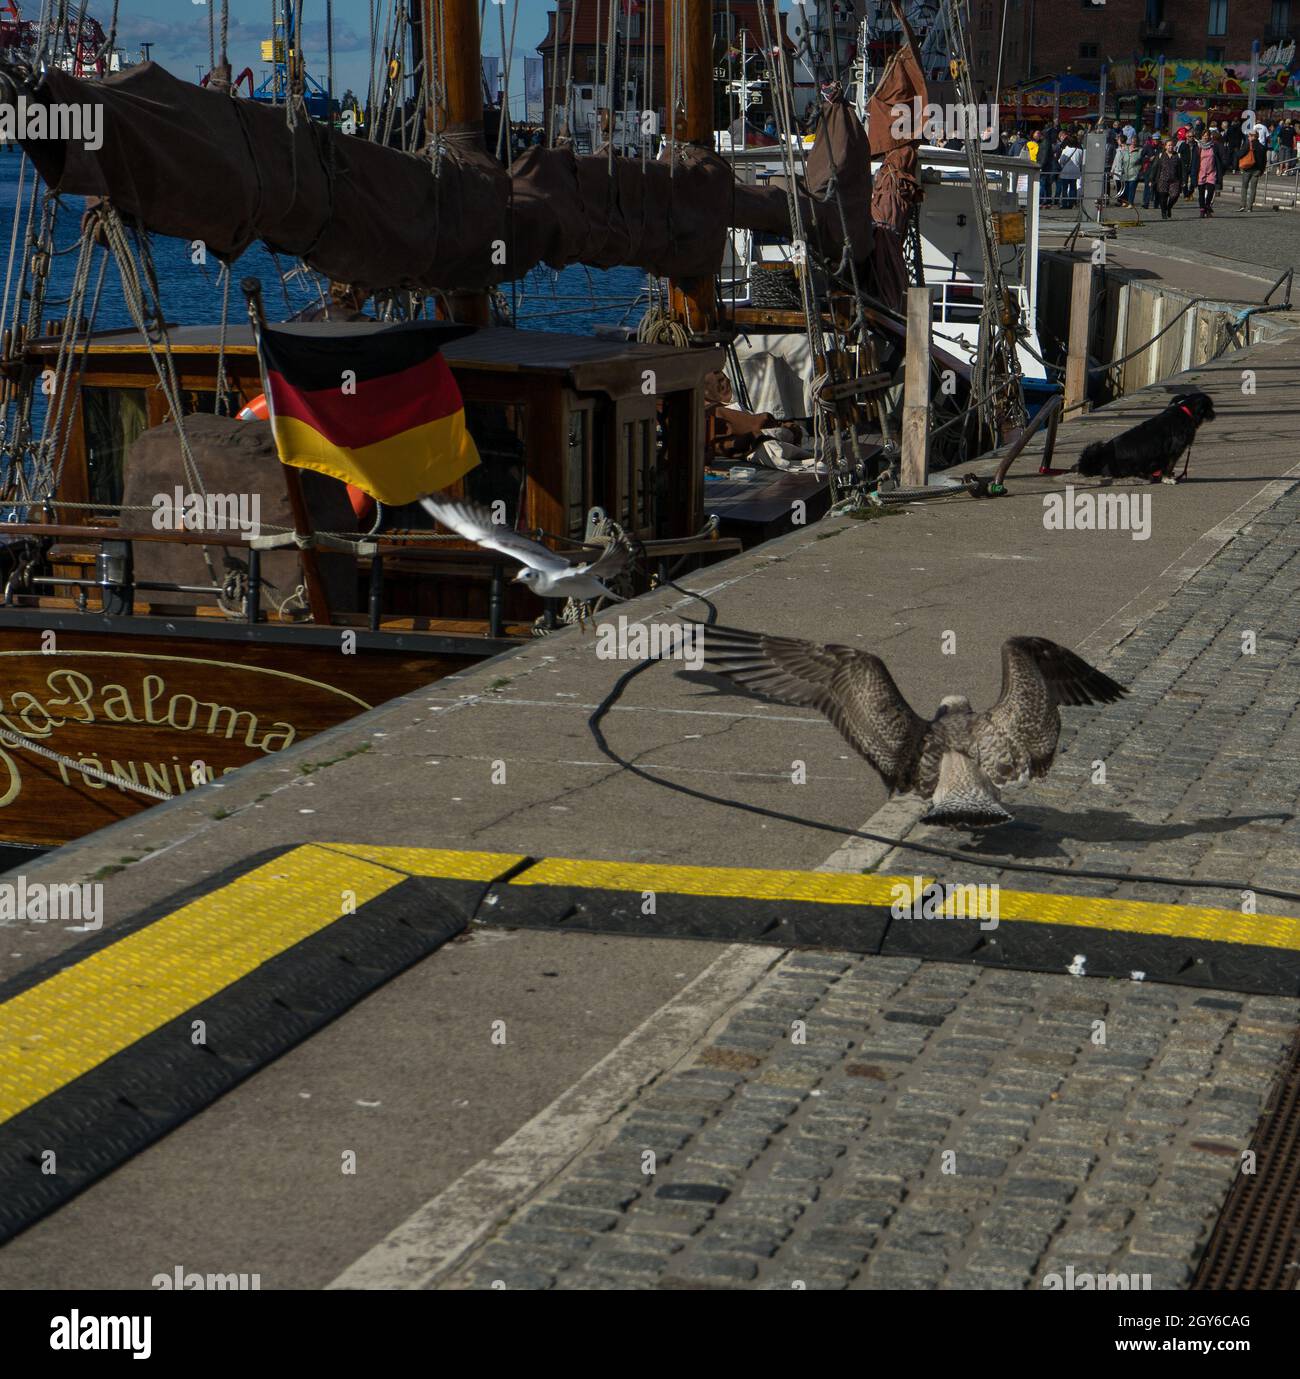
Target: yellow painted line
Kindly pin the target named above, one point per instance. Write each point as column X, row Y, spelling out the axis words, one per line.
column 80, row 1017
column 454, row 866
column 834, row 888
column 1147, row 917
column 77, row 1019
column 742, row 883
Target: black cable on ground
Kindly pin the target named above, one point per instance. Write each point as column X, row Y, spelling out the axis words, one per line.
column 930, row 849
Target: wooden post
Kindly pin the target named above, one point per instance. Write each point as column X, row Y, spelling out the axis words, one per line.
column 690, row 119
column 317, row 602
column 460, row 67
column 915, row 467
column 1076, row 360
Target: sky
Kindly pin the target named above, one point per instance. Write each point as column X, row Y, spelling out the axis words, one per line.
column 178, row 29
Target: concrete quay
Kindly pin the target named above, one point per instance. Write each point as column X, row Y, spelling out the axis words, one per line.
column 936, row 1123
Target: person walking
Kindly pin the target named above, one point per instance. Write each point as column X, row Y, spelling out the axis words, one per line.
column 1168, row 178
column 1235, row 141
column 1126, row 169
column 1150, row 152
column 1071, row 162
column 1050, row 165
column 1253, row 160
column 1187, row 161
column 1211, row 163
column 1286, row 145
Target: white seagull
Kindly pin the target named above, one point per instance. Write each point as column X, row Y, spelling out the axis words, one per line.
column 959, row 757
column 545, row 572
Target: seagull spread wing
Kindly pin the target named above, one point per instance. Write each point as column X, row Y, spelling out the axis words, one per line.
column 610, row 563
column 475, row 524
column 852, row 688
column 1017, row 737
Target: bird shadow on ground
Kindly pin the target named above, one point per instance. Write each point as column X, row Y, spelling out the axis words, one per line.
column 1038, row 831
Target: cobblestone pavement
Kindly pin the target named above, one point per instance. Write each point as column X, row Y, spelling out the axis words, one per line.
column 1202, row 759
column 892, row 1123
column 1268, row 239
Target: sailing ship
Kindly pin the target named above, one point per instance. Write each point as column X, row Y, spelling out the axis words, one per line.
column 145, row 662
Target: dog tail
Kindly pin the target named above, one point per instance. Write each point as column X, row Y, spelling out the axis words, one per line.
column 1094, row 458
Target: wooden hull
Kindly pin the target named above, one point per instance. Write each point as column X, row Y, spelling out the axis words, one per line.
column 174, row 713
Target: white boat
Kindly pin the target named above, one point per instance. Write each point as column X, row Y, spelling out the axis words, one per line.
column 777, row 365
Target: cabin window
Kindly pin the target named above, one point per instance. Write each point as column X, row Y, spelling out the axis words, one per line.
column 206, row 401
column 500, row 430
column 638, row 451
column 575, row 476
column 113, row 418
column 646, row 490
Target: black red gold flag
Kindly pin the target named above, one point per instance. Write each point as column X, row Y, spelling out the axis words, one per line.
column 375, row 406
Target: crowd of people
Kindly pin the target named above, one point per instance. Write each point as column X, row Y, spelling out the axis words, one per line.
column 1192, row 162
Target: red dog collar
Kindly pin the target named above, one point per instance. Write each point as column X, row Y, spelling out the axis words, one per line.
column 1183, row 407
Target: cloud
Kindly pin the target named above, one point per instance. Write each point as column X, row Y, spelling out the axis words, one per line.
column 187, row 38
column 346, row 39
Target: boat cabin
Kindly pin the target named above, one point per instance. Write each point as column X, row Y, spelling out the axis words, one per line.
column 563, row 424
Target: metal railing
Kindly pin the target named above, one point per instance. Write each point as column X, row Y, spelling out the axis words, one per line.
column 1279, row 184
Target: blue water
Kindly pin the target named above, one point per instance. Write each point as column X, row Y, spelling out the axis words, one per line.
column 574, row 300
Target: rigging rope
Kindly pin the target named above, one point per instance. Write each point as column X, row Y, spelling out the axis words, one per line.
column 17, row 740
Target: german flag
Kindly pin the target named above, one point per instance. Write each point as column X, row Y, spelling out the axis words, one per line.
column 372, row 405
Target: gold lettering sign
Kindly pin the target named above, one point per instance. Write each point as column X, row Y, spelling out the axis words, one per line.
column 134, row 701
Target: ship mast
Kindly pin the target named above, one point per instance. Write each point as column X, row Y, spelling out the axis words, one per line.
column 688, row 100
column 459, row 62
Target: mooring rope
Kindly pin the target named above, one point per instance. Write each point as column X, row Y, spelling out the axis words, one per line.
column 18, row 740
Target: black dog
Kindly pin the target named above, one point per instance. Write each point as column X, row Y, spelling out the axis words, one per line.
column 1151, row 450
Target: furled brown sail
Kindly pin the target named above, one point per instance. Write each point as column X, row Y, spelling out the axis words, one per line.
column 670, row 219
column 897, row 188
column 181, row 160
column 837, row 194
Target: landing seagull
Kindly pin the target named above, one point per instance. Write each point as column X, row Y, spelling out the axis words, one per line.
column 959, row 758
column 545, row 573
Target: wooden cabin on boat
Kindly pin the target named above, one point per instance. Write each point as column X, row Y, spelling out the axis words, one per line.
column 130, row 674
column 563, row 424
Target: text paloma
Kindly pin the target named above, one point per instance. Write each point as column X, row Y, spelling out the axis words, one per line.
column 83, row 702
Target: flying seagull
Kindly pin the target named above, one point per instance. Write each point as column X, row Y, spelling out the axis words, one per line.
column 959, row 757
column 545, row 573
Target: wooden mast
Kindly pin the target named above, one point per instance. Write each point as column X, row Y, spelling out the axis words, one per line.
column 690, row 112
column 456, row 40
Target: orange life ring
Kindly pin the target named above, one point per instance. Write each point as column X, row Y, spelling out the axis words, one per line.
column 363, row 505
